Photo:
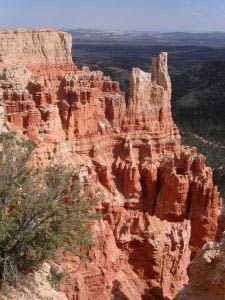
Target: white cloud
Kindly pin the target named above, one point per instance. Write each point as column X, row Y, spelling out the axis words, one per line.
column 197, row 14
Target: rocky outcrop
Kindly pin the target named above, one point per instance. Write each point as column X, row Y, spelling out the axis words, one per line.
column 207, row 274
column 159, row 198
column 37, row 50
column 149, row 108
column 36, row 287
column 138, row 257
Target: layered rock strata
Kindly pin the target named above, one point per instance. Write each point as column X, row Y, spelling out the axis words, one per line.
column 159, row 196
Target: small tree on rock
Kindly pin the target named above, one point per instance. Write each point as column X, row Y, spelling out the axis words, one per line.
column 41, row 210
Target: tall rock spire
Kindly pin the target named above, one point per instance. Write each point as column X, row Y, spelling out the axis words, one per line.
column 160, row 74
column 149, row 107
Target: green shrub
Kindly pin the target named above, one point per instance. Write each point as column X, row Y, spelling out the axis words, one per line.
column 41, row 210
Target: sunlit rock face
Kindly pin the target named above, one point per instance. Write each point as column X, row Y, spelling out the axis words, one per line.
column 36, row 287
column 36, row 49
column 207, row 270
column 159, row 198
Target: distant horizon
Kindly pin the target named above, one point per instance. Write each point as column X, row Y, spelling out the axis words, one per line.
column 108, row 30
column 139, row 30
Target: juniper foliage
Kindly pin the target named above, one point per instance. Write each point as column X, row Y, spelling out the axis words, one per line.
column 41, row 210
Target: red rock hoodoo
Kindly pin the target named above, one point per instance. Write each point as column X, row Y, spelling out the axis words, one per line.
column 159, row 196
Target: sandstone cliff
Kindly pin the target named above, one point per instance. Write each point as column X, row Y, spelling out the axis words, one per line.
column 159, row 196
column 35, row 49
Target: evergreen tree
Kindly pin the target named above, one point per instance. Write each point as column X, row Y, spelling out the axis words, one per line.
column 41, row 210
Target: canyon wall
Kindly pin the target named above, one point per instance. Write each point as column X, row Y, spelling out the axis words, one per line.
column 159, row 198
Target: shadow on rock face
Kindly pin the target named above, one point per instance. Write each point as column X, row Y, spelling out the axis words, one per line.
column 116, row 291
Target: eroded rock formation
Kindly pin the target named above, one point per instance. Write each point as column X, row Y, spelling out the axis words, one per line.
column 207, row 279
column 159, row 196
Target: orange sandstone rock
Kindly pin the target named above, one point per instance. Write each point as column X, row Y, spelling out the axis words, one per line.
column 159, row 198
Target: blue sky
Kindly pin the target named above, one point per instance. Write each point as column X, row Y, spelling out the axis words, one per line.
column 153, row 15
